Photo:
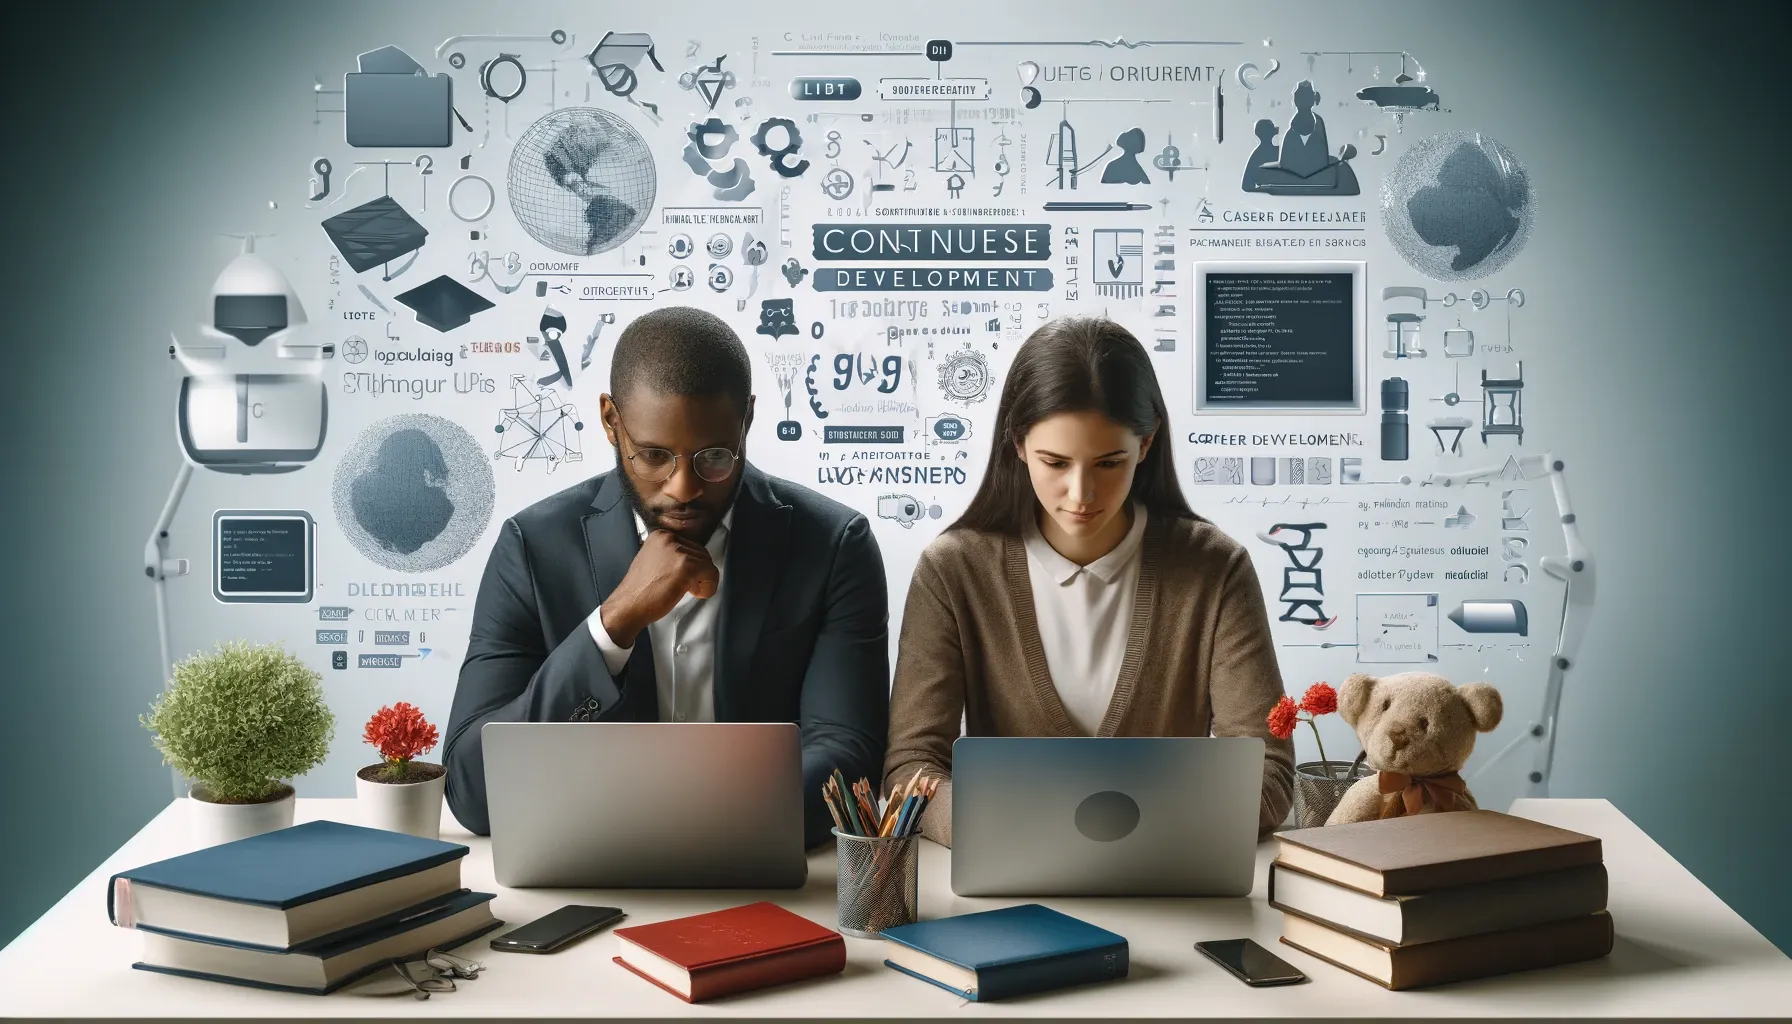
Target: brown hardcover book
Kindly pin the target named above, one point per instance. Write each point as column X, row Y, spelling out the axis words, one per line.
column 1445, row 913
column 728, row 951
column 1423, row 852
column 1473, row 956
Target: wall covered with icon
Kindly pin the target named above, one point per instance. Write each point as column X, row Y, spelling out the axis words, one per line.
column 1322, row 248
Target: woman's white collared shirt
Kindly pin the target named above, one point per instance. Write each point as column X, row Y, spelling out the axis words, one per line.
column 1084, row 613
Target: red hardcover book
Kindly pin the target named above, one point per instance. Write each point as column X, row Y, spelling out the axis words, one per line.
column 717, row 954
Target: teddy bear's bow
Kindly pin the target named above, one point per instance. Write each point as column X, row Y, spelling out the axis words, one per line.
column 1444, row 790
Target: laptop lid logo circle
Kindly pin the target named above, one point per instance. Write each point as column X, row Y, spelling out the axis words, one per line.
column 1107, row 816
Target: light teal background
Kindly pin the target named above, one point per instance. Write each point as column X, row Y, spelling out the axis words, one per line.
column 1651, row 131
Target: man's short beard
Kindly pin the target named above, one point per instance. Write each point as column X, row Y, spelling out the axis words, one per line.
column 628, row 490
column 646, row 515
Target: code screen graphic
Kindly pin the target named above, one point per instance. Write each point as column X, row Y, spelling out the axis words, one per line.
column 1280, row 340
column 262, row 556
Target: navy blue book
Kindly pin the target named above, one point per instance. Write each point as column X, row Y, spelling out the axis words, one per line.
column 281, row 889
column 321, row 967
column 1014, row 951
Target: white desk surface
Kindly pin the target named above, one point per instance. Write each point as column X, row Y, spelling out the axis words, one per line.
column 1680, row 953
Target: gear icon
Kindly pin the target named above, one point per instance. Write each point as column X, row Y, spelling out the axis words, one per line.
column 780, row 157
column 964, row 377
column 712, row 137
column 765, row 130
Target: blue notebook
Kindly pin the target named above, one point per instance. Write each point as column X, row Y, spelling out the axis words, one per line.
column 1009, row 952
column 321, row 967
column 280, row 889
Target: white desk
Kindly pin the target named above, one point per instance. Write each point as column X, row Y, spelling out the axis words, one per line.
column 1680, row 953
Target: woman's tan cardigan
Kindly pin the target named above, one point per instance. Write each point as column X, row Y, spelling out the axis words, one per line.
column 1199, row 657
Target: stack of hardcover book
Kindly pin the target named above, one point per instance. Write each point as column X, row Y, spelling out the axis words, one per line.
column 1433, row 898
column 308, row 908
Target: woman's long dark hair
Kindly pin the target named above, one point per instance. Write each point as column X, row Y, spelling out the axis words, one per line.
column 1082, row 364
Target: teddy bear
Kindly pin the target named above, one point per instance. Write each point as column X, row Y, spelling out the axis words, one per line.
column 1417, row 730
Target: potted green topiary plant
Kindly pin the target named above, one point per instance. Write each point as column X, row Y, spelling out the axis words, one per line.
column 401, row 794
column 239, row 722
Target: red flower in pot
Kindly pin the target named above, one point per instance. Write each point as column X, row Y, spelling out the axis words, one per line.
column 401, row 794
column 400, row 732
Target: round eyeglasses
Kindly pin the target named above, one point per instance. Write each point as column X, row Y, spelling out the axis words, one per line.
column 435, row 971
column 656, row 465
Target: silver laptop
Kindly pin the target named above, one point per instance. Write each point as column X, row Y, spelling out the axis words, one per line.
column 621, row 805
column 1105, row 816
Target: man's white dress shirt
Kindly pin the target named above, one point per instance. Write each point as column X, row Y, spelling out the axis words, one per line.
column 684, row 642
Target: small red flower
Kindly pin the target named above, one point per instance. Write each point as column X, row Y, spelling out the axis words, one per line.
column 400, row 732
column 1282, row 718
column 1320, row 699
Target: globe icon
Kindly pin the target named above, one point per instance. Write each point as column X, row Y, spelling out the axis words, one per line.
column 581, row 181
column 1458, row 206
column 414, row 492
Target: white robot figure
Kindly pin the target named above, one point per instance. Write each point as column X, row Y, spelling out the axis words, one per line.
column 243, row 409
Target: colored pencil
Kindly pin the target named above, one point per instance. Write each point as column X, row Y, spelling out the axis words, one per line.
column 846, row 805
column 867, row 809
column 831, row 793
column 893, row 808
column 852, row 814
column 905, row 821
column 833, row 812
column 913, row 782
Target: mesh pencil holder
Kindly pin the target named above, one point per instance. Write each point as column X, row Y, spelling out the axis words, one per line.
column 875, row 882
column 1320, row 785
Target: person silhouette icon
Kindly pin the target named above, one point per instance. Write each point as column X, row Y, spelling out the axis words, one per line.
column 1125, row 169
column 1302, row 165
column 1265, row 155
column 1304, row 148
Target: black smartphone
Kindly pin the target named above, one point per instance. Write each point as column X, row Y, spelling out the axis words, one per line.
column 1251, row 963
column 549, row 933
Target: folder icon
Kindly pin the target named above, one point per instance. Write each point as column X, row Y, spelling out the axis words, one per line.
column 391, row 101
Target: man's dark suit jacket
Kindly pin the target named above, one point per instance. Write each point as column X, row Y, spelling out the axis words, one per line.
column 802, row 634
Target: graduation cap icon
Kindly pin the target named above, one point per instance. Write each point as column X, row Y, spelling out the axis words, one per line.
column 375, row 233
column 444, row 303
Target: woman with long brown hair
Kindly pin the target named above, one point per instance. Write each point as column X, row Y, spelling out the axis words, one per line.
column 1079, row 595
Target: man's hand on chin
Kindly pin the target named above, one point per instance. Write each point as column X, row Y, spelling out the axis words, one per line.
column 665, row 569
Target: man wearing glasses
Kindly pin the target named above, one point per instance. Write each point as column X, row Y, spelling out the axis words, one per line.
column 683, row 586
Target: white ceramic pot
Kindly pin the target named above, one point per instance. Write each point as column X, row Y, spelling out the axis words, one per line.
column 212, row 824
column 414, row 808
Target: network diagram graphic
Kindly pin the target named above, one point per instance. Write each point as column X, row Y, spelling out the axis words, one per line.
column 538, row 428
